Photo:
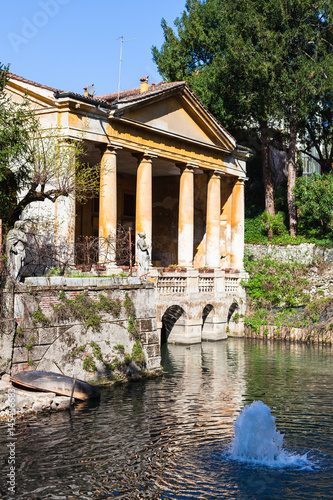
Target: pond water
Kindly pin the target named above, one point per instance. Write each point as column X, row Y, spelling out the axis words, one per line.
column 170, row 438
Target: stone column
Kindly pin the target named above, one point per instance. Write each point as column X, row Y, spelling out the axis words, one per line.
column 144, row 200
column 213, row 220
column 108, row 207
column 225, row 220
column 186, row 216
column 237, row 225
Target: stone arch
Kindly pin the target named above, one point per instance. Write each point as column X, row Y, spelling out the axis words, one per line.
column 169, row 319
column 234, row 306
column 207, row 313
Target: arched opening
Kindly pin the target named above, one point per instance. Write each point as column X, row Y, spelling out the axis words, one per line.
column 169, row 318
column 232, row 309
column 205, row 313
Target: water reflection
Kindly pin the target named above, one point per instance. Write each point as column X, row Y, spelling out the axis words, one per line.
column 168, row 438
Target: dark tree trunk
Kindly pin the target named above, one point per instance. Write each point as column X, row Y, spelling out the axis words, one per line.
column 292, row 177
column 267, row 172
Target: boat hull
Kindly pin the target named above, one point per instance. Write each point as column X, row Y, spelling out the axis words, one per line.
column 55, row 382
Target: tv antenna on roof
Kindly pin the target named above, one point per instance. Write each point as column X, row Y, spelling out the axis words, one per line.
column 121, row 54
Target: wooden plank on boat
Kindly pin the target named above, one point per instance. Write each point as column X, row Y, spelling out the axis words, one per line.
column 55, row 382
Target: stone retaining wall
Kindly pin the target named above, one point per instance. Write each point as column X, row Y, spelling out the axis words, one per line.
column 315, row 336
column 62, row 345
column 305, row 253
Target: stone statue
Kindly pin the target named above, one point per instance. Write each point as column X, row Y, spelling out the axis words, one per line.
column 15, row 249
column 143, row 255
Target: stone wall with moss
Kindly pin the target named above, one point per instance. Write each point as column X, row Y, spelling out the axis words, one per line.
column 91, row 329
column 308, row 335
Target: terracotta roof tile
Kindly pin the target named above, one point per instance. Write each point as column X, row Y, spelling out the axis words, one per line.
column 126, row 95
column 12, row 76
column 134, row 94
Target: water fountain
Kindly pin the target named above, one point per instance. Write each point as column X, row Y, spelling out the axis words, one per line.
column 257, row 441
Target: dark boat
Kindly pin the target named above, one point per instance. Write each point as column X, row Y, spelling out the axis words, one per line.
column 55, row 382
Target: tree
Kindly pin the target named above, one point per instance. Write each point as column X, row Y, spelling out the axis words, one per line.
column 314, row 199
column 259, row 64
column 37, row 164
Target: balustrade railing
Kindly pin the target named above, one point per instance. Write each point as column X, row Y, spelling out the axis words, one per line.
column 231, row 285
column 172, row 283
column 206, row 284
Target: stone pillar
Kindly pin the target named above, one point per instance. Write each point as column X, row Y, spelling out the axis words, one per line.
column 144, row 203
column 213, row 220
column 186, row 216
column 237, row 225
column 225, row 220
column 108, row 207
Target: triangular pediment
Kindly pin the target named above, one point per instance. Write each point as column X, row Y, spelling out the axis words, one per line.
column 179, row 115
column 39, row 98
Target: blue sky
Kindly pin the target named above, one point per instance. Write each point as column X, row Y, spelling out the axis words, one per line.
column 68, row 44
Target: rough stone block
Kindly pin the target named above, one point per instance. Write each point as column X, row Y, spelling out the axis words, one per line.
column 89, row 281
column 145, row 325
column 38, row 351
column 48, row 335
column 153, row 338
column 133, row 280
column 104, row 282
column 58, row 280
column 20, row 355
column 152, row 350
column 60, row 403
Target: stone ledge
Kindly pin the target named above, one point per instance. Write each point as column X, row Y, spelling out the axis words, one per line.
column 61, row 281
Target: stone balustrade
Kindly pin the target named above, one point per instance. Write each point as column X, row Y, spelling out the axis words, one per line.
column 194, row 281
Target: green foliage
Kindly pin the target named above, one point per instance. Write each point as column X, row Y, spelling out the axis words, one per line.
column 39, row 317
column 127, row 358
column 89, row 364
column 30, row 362
column 256, row 233
column 253, row 63
column 19, row 332
column 130, row 309
column 38, row 162
column 277, row 296
column 129, row 306
column 96, row 351
column 257, row 319
column 85, row 309
column 29, row 346
column 108, row 305
column 273, row 283
column 275, row 223
column 137, row 353
column 17, row 123
column 55, row 272
column 81, row 348
column 314, row 198
column 120, row 348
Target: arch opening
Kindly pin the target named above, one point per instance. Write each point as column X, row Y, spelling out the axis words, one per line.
column 234, row 306
column 205, row 313
column 169, row 319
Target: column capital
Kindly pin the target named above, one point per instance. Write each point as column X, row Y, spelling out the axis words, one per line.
column 190, row 167
column 112, row 148
column 217, row 174
column 146, row 155
column 241, row 180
